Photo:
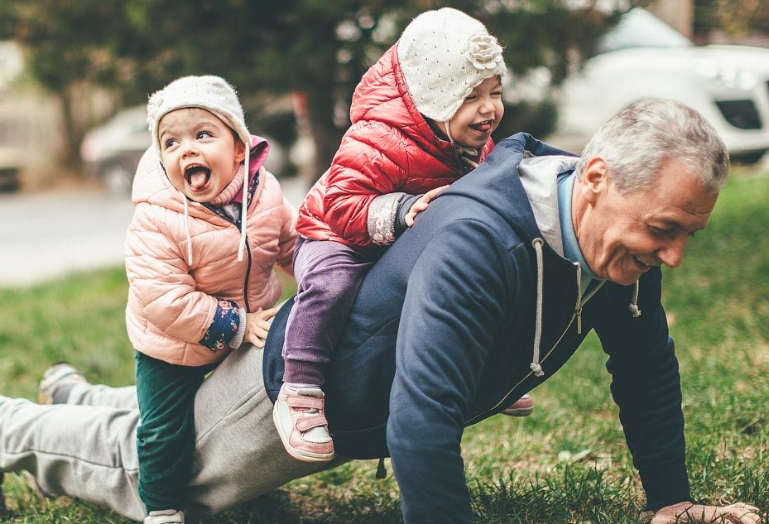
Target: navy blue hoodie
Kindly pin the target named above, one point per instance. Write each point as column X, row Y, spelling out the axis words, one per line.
column 442, row 334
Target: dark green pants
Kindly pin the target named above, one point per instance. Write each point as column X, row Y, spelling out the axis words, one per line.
column 165, row 438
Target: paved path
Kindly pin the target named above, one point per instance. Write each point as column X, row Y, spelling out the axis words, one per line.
column 48, row 235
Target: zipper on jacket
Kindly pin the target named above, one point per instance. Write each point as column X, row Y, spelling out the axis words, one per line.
column 245, row 280
column 579, row 321
column 527, row 375
column 581, row 301
column 234, row 222
column 579, row 298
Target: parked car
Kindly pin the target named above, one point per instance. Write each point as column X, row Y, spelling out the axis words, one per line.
column 642, row 57
column 113, row 150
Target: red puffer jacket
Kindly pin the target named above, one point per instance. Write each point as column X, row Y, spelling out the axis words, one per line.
column 389, row 148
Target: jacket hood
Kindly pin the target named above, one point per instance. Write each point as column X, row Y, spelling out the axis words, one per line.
column 506, row 195
column 382, row 96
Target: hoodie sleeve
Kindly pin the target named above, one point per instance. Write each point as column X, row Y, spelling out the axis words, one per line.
column 646, row 386
column 452, row 312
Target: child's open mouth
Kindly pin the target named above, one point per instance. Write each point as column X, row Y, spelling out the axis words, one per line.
column 197, row 177
column 483, row 127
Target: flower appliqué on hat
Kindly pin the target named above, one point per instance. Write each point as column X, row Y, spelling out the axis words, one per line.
column 483, row 52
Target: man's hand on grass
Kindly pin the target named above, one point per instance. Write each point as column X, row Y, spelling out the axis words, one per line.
column 738, row 513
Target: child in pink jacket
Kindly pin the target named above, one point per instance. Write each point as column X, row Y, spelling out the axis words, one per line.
column 209, row 226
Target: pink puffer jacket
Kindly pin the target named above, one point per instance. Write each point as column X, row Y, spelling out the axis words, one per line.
column 170, row 303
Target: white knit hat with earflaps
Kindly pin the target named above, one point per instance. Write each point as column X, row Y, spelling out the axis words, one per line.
column 444, row 54
column 213, row 94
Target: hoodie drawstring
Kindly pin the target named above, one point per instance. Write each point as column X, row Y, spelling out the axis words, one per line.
column 244, row 206
column 243, row 213
column 633, row 306
column 187, row 230
column 537, row 243
column 535, row 365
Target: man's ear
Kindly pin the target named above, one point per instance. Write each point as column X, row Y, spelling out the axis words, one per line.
column 595, row 178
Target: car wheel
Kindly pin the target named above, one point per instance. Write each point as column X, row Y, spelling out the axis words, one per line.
column 9, row 179
column 118, row 179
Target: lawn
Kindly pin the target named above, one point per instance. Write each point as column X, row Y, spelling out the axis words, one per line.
column 566, row 463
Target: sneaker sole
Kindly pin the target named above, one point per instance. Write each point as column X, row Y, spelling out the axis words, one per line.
column 521, row 412
column 523, row 407
column 303, row 456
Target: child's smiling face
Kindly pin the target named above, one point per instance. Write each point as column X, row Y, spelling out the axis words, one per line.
column 200, row 153
column 479, row 115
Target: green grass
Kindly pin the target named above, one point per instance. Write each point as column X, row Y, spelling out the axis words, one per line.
column 567, row 463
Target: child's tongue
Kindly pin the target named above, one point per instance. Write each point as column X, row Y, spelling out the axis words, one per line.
column 198, row 179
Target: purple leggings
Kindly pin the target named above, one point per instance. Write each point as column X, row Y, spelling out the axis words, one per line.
column 328, row 275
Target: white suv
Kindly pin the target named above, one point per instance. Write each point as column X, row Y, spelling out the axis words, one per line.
column 642, row 57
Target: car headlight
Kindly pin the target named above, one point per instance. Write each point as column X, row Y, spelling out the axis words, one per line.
column 731, row 77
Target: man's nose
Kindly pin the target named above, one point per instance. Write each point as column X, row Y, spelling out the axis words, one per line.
column 672, row 254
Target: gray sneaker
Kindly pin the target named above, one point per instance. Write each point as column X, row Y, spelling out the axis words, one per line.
column 57, row 383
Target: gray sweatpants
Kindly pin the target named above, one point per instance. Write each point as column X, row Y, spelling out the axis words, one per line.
column 87, row 447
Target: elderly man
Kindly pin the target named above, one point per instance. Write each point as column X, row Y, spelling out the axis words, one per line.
column 487, row 296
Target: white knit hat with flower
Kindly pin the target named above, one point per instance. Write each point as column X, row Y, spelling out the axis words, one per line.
column 444, row 54
column 213, row 94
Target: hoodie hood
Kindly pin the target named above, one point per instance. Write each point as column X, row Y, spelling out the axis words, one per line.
column 497, row 193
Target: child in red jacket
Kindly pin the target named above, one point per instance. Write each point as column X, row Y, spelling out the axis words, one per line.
column 422, row 117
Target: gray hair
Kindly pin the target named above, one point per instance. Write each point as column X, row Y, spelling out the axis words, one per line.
column 639, row 140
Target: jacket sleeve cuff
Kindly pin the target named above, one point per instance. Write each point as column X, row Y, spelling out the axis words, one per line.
column 665, row 485
column 237, row 340
column 404, row 206
column 224, row 326
column 380, row 222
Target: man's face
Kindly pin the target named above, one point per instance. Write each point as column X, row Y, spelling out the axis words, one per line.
column 623, row 236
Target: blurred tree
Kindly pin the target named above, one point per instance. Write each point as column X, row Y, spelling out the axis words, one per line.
column 315, row 49
column 737, row 18
column 67, row 44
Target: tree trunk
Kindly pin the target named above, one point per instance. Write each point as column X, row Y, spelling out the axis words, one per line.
column 72, row 129
column 326, row 135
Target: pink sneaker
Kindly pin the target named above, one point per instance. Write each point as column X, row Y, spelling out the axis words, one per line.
column 520, row 408
column 302, row 425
